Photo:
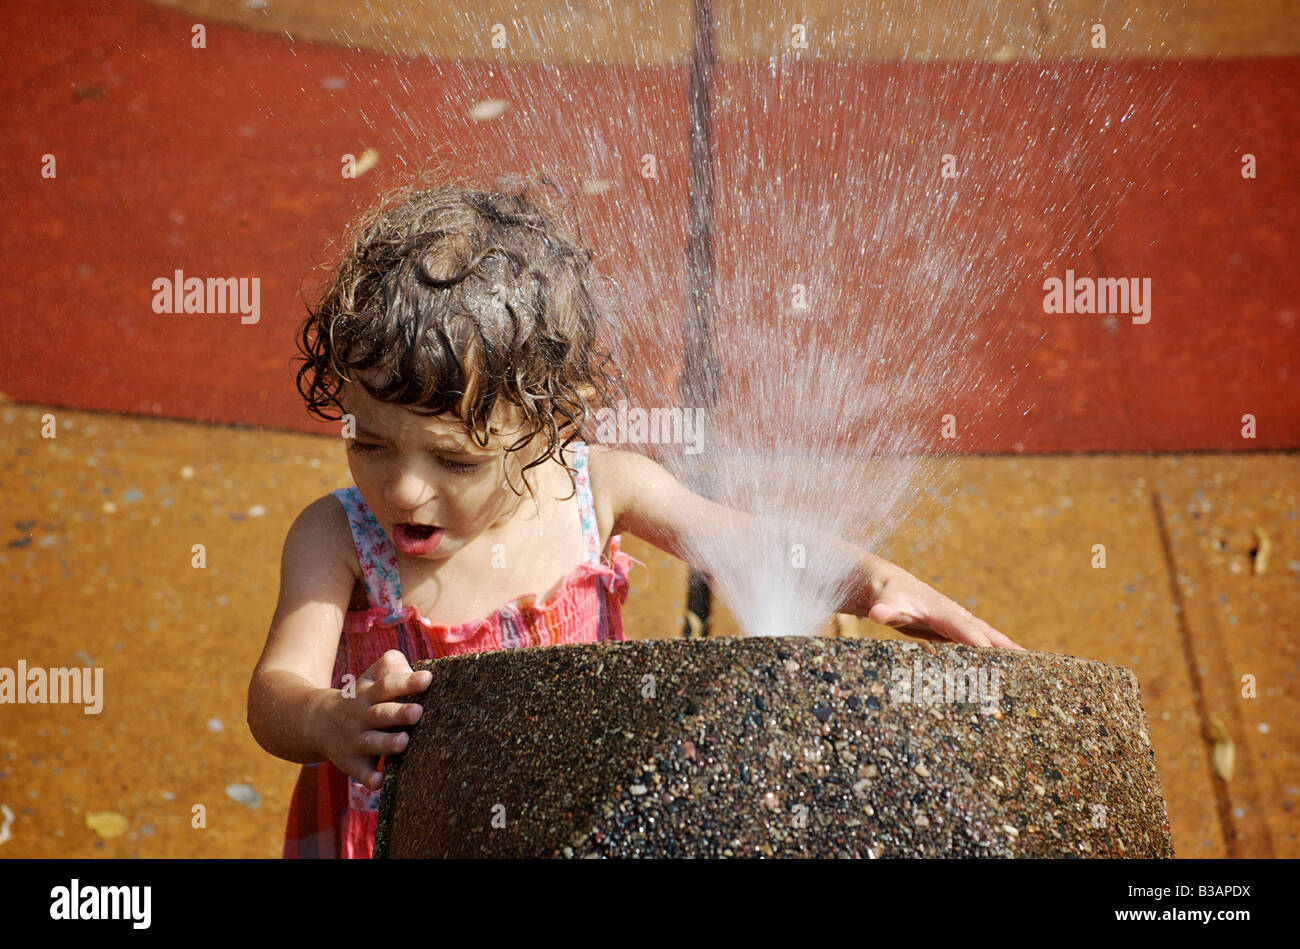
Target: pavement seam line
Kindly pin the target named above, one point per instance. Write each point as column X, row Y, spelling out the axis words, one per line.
column 1223, row 803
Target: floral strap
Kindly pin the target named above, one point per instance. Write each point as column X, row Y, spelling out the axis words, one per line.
column 586, row 508
column 376, row 554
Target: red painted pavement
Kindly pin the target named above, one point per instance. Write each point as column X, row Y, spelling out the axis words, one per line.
column 225, row 162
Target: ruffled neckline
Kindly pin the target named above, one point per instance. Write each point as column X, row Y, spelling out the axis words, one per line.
column 614, row 575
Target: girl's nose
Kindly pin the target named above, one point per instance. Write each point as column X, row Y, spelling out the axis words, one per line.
column 406, row 489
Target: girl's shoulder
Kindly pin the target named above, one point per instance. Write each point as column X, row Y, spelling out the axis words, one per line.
column 599, row 476
column 314, row 569
column 642, row 497
column 612, row 474
column 326, row 522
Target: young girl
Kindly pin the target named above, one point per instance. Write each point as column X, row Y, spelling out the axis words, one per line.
column 459, row 339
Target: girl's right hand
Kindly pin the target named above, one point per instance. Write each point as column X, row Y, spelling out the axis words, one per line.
column 350, row 727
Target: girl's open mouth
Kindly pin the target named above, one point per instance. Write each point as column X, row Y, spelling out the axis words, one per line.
column 416, row 540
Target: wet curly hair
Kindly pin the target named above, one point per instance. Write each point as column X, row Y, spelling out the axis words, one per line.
column 462, row 298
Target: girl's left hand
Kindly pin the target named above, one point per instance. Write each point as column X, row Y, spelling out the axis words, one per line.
column 906, row 604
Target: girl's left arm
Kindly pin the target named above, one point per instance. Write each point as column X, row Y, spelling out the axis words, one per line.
column 641, row 497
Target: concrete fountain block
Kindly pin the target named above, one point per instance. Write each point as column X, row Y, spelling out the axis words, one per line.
column 775, row 747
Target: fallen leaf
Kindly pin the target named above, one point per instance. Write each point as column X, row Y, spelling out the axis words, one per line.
column 368, row 159
column 1225, row 751
column 244, row 794
column 108, row 824
column 1262, row 548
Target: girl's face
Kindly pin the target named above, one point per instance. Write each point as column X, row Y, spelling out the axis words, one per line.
column 426, row 471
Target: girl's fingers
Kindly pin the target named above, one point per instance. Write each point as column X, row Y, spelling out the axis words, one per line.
column 365, row 766
column 887, row 614
column 392, row 665
column 958, row 631
column 363, row 771
column 922, row 632
column 904, row 620
column 948, row 623
column 1005, row 642
column 373, row 743
column 392, row 715
column 974, row 631
column 394, row 685
column 390, row 661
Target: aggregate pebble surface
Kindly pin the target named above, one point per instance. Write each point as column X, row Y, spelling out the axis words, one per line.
column 776, row 747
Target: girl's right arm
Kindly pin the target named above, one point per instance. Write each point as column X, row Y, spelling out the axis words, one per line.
column 292, row 711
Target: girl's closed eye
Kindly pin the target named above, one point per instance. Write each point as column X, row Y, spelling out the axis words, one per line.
column 363, row 448
column 456, row 466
